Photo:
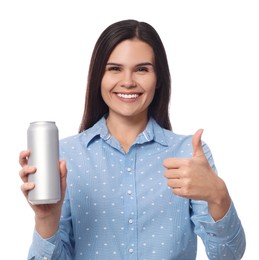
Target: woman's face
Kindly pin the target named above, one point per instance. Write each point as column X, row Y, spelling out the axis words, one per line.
column 129, row 81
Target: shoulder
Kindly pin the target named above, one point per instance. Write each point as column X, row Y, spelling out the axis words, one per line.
column 169, row 137
column 71, row 144
column 180, row 143
column 182, row 146
column 84, row 137
column 70, row 139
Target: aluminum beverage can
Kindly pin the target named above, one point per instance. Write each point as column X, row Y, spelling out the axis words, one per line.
column 43, row 144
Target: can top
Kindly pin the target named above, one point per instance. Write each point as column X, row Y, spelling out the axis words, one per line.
column 42, row 122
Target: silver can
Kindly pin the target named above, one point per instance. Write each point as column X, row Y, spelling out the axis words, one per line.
column 43, row 143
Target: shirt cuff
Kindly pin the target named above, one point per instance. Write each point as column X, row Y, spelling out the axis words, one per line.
column 42, row 248
column 229, row 224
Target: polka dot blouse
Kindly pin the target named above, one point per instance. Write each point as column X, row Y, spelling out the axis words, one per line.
column 118, row 205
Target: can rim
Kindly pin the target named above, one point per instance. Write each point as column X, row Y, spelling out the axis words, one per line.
column 42, row 122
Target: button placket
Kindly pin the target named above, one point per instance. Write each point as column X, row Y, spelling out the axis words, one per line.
column 130, row 202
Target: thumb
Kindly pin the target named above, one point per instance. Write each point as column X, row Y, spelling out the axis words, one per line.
column 63, row 175
column 196, row 143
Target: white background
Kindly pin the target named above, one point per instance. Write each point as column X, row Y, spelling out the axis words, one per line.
column 213, row 51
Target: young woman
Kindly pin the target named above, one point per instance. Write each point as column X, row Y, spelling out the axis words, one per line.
column 131, row 188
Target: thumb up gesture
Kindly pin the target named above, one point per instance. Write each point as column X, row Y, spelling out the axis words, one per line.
column 193, row 178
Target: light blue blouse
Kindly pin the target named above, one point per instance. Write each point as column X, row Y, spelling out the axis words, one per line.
column 118, row 205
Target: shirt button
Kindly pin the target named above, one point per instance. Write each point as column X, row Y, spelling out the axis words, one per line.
column 128, row 169
column 131, row 250
column 129, row 192
column 130, row 220
column 45, row 258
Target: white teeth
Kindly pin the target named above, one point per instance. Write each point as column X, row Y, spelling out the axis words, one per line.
column 127, row 95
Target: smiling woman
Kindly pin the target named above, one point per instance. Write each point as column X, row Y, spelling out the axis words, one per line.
column 151, row 56
column 128, row 88
column 132, row 188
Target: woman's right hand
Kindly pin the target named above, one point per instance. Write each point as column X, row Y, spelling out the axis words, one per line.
column 47, row 216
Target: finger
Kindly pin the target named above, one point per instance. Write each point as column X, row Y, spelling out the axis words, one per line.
column 63, row 175
column 63, row 168
column 23, row 157
column 26, row 187
column 172, row 174
column 174, row 163
column 174, row 183
column 196, row 143
column 25, row 171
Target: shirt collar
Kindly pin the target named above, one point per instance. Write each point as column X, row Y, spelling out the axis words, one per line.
column 152, row 132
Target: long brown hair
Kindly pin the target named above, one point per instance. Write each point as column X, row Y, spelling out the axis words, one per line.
column 117, row 32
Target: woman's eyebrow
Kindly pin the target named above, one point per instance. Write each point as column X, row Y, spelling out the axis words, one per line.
column 137, row 65
column 144, row 64
column 113, row 64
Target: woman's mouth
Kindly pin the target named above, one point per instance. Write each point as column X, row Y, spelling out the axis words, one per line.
column 128, row 96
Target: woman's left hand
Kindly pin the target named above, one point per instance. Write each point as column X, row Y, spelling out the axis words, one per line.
column 193, row 178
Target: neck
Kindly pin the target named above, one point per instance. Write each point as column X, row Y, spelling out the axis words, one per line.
column 126, row 130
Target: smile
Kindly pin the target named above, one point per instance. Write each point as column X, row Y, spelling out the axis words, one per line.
column 128, row 96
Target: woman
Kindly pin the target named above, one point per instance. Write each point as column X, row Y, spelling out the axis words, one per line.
column 131, row 188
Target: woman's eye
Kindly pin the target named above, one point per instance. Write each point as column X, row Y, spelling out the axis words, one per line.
column 142, row 69
column 114, row 69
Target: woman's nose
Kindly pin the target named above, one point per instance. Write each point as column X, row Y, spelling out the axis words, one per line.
column 128, row 81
